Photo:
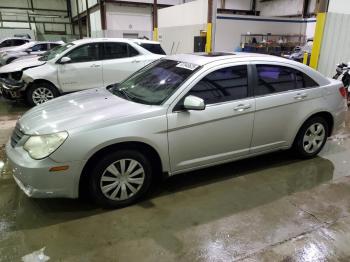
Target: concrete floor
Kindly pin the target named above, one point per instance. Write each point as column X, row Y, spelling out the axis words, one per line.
column 270, row 208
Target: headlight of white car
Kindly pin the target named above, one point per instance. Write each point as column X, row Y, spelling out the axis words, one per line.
column 41, row 146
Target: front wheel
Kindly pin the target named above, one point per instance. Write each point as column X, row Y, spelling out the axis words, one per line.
column 311, row 137
column 120, row 179
column 40, row 93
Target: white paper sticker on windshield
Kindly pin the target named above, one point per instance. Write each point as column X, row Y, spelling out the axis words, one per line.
column 188, row 66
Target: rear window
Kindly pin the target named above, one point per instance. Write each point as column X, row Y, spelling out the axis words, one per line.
column 153, row 48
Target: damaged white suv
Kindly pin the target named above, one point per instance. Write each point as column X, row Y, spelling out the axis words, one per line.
column 78, row 65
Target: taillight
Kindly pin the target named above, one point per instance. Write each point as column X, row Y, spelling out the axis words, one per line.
column 343, row 92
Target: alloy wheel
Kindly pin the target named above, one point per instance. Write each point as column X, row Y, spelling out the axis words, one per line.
column 41, row 95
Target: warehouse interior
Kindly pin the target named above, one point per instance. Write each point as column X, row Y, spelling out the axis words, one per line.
column 71, row 121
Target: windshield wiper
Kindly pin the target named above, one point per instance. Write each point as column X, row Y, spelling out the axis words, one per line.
column 114, row 89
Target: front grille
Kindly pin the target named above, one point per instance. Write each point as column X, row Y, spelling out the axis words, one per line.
column 17, row 134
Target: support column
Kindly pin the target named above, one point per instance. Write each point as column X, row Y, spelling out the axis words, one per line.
column 155, row 21
column 316, row 47
column 88, row 33
column 79, row 20
column 103, row 16
column 208, row 44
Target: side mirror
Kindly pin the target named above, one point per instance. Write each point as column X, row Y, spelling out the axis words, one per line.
column 194, row 103
column 65, row 60
column 29, row 50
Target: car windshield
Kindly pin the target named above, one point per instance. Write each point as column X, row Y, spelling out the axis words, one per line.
column 54, row 52
column 155, row 83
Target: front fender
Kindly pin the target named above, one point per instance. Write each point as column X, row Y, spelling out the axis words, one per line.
column 46, row 72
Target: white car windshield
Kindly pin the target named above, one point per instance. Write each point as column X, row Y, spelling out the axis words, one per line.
column 55, row 52
column 155, row 83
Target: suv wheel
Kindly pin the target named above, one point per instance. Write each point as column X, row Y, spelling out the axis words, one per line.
column 40, row 93
column 311, row 137
column 120, row 179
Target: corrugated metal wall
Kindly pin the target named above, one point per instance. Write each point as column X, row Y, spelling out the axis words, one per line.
column 335, row 44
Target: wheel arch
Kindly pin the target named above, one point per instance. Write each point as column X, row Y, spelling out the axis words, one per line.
column 147, row 149
column 38, row 81
column 324, row 114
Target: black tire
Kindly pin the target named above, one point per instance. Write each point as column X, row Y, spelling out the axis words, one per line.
column 298, row 146
column 94, row 179
column 41, row 85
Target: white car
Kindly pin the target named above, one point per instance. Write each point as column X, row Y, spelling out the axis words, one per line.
column 81, row 64
column 180, row 113
column 31, row 48
column 10, row 42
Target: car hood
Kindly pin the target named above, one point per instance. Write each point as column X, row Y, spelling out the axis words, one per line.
column 89, row 109
column 21, row 64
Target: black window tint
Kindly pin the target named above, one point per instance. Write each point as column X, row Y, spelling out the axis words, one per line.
column 304, row 81
column 153, row 48
column 6, row 43
column 39, row 47
column 84, row 53
column 223, row 85
column 18, row 42
column 276, row 79
column 115, row 50
column 54, row 45
column 132, row 51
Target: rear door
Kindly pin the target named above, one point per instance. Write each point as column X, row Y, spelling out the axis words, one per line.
column 83, row 71
column 285, row 96
column 120, row 60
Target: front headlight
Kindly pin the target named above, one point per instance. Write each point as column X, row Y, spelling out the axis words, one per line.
column 41, row 146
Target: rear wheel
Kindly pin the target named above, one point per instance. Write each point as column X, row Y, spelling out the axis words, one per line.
column 120, row 179
column 311, row 137
column 40, row 93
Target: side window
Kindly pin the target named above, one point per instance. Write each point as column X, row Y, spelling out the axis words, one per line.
column 115, row 50
column 304, row 81
column 39, row 47
column 85, row 53
column 132, row 51
column 223, row 85
column 276, row 79
column 18, row 42
column 54, row 45
column 6, row 43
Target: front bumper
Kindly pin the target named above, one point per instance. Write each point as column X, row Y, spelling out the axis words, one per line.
column 35, row 179
column 11, row 89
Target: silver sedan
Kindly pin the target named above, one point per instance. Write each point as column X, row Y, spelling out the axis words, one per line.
column 180, row 113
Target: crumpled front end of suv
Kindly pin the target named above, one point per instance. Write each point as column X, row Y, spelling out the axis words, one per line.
column 11, row 85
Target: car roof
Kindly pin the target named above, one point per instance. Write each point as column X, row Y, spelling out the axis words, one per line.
column 15, row 38
column 125, row 40
column 206, row 58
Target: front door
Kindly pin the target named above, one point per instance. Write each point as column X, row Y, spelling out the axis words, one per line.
column 83, row 71
column 219, row 133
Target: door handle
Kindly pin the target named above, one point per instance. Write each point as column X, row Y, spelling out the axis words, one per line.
column 300, row 96
column 241, row 108
column 95, row 65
